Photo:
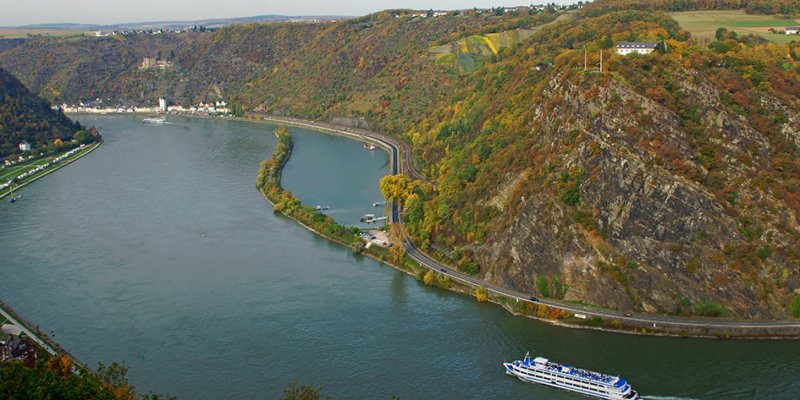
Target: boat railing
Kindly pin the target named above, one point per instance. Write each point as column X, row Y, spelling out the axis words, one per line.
column 582, row 373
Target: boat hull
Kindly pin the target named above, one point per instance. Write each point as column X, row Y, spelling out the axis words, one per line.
column 585, row 382
column 567, row 388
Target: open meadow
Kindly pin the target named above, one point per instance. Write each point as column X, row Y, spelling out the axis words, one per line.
column 704, row 24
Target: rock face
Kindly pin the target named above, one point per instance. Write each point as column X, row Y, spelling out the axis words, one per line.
column 642, row 234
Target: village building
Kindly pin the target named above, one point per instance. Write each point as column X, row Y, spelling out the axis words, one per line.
column 25, row 146
column 152, row 62
column 792, row 30
column 625, row 48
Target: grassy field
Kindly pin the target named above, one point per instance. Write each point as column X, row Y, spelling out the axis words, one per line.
column 704, row 24
column 23, row 33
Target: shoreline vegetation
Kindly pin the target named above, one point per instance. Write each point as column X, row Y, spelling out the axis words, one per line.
column 51, row 369
column 268, row 182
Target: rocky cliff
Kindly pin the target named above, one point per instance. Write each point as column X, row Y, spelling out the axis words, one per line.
column 642, row 234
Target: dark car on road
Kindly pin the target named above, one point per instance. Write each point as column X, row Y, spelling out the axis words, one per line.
column 534, row 299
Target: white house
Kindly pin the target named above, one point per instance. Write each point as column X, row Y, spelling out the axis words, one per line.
column 635, row 47
column 792, row 30
column 162, row 104
column 25, row 146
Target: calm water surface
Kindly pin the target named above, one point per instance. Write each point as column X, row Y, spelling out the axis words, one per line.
column 109, row 254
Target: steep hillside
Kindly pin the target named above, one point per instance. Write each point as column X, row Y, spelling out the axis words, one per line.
column 668, row 184
column 86, row 68
column 26, row 117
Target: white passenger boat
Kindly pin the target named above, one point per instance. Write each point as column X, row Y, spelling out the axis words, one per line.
column 154, row 121
column 541, row 370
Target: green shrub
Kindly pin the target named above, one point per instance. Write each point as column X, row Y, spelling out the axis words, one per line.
column 571, row 196
column 765, row 252
column 692, row 266
column 795, row 307
column 472, row 269
column 710, row 309
column 543, row 285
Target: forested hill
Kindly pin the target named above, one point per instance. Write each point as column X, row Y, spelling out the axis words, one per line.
column 666, row 182
column 26, row 117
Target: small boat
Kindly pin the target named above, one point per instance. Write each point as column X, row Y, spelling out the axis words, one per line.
column 154, row 121
column 541, row 370
column 369, row 146
column 323, row 208
column 13, row 199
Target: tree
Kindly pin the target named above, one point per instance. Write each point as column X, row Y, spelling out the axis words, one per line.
column 720, row 34
column 52, row 378
column 480, row 294
column 296, row 391
column 395, row 187
column 430, row 277
column 608, row 42
column 83, row 137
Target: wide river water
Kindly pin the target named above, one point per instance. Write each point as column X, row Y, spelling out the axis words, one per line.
column 109, row 254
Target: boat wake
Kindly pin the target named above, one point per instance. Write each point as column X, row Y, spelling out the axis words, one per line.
column 665, row 398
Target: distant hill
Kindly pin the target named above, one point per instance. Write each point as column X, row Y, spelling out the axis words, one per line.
column 26, row 117
column 215, row 22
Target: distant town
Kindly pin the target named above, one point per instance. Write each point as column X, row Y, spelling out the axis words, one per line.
column 213, row 108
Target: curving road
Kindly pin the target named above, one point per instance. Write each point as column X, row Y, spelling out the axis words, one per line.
column 392, row 143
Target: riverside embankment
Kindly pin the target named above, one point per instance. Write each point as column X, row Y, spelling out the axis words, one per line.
column 54, row 168
column 522, row 303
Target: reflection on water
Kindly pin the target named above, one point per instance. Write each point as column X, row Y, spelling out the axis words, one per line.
column 109, row 253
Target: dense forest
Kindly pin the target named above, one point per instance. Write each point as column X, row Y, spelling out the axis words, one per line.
column 667, row 182
column 783, row 8
column 26, row 117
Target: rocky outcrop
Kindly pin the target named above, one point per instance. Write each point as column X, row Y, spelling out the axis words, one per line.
column 644, row 234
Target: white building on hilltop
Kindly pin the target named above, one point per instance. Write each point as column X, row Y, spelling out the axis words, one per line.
column 635, row 47
column 25, row 146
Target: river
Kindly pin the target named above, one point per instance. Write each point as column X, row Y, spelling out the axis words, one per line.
column 110, row 255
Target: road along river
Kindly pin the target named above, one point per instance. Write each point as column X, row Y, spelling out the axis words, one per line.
column 109, row 254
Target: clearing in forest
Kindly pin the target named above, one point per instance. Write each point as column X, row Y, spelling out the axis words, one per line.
column 704, row 24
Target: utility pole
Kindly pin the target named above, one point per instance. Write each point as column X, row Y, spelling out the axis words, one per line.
column 601, row 60
column 584, row 57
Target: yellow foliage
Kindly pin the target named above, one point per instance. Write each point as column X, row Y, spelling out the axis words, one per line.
column 480, row 294
column 398, row 251
column 430, row 277
column 395, row 187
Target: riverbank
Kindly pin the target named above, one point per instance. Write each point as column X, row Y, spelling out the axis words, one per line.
column 33, row 333
column 55, row 167
column 555, row 312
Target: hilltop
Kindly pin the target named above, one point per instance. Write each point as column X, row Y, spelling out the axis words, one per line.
column 665, row 182
column 26, row 117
